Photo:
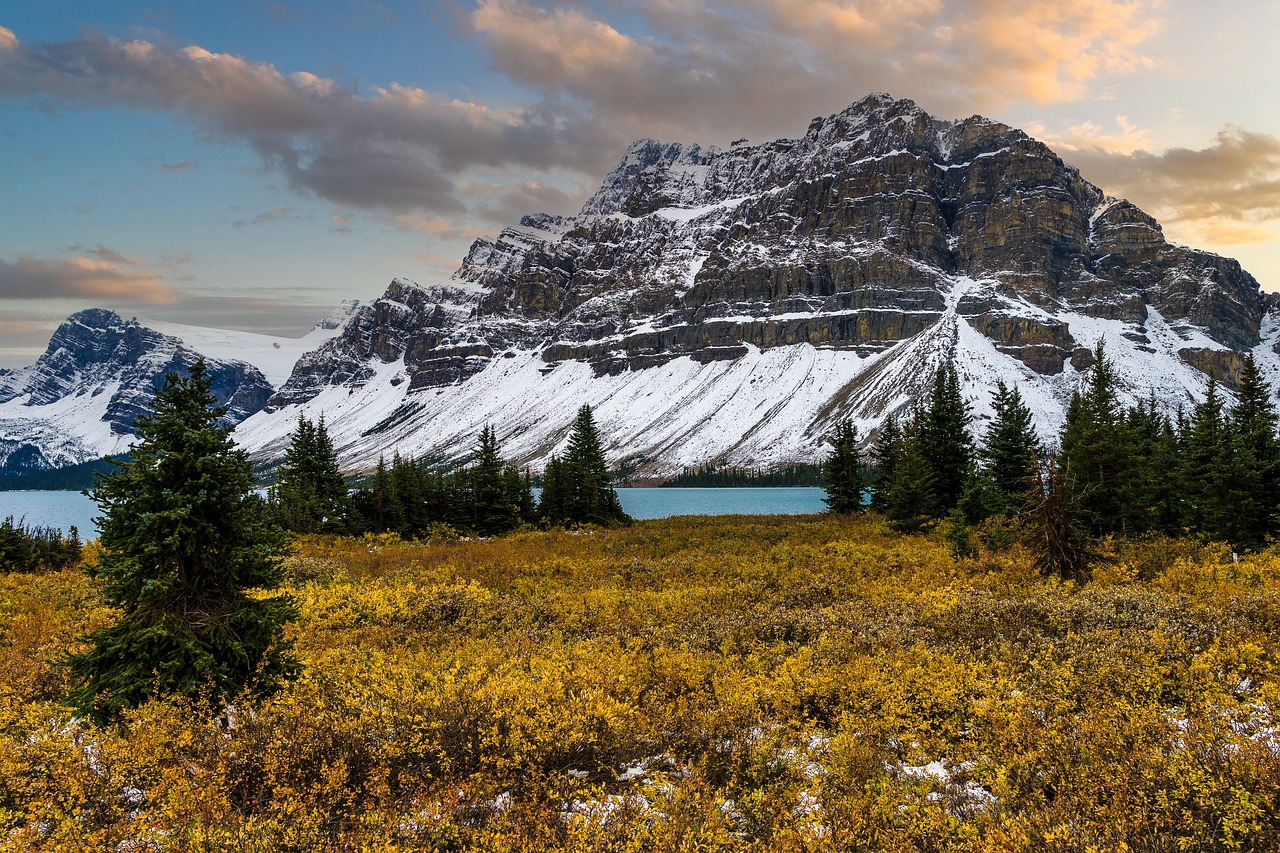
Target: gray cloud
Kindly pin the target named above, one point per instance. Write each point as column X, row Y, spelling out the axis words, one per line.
column 82, row 278
column 1221, row 192
column 390, row 150
column 274, row 215
column 710, row 71
column 287, row 317
column 184, row 166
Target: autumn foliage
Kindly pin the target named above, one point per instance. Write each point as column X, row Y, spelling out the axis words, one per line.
column 737, row 683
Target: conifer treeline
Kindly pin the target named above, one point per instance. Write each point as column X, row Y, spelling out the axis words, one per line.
column 712, row 476
column 486, row 497
column 1214, row 472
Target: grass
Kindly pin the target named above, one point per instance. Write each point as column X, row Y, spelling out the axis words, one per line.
column 734, row 683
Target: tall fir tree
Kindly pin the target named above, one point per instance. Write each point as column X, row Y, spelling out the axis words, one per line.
column 577, row 488
column 945, row 443
column 1217, row 491
column 184, row 538
column 592, row 498
column 1097, row 450
column 1253, row 421
column 1158, row 496
column 494, row 511
column 1011, row 446
column 884, row 461
column 912, row 500
column 310, row 494
column 553, row 503
column 842, row 471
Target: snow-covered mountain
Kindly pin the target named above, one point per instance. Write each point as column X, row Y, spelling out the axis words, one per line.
column 731, row 306
column 99, row 372
column 725, row 306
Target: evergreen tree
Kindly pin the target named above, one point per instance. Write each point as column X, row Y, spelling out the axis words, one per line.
column 310, row 495
column 1253, row 422
column 494, row 510
column 945, row 443
column 912, row 500
column 1217, row 491
column 843, row 471
column 884, row 458
column 1098, row 451
column 184, row 538
column 1056, row 529
column 1158, row 495
column 1011, row 446
column 553, row 506
column 587, row 494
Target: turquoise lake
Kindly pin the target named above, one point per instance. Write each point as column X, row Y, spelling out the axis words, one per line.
column 64, row 509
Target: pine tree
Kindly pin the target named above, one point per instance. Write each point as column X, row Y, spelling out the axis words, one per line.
column 589, row 495
column 1253, row 422
column 494, row 512
column 1216, row 490
column 1158, row 495
column 842, row 471
column 912, row 501
column 946, row 445
column 184, row 537
column 310, row 495
column 1098, row 449
column 553, row 505
column 1011, row 445
column 884, row 458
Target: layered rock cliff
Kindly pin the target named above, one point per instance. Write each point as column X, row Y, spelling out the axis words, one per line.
column 730, row 305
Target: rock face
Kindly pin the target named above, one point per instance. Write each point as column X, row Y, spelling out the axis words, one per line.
column 79, row 400
column 731, row 305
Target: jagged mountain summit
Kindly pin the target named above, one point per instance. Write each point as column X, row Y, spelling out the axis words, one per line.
column 79, row 400
column 731, row 306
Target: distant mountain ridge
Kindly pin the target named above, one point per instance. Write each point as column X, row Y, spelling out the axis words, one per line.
column 79, row 400
column 728, row 307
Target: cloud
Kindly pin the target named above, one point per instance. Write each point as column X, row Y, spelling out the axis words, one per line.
column 1227, row 192
column 184, row 166
column 706, row 70
column 1127, row 139
column 290, row 317
column 81, row 278
column 274, row 215
column 391, row 150
column 106, row 253
column 760, row 67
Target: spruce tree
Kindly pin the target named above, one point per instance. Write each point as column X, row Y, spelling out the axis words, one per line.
column 1253, row 422
column 576, row 489
column 945, row 443
column 842, row 471
column 1217, row 491
column 184, row 538
column 1011, row 446
column 884, row 459
column 591, row 497
column 310, row 495
column 1097, row 448
column 553, row 503
column 494, row 511
column 912, row 500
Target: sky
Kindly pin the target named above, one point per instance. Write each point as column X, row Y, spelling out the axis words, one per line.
column 251, row 163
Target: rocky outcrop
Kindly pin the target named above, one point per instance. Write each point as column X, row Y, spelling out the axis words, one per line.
column 81, row 397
